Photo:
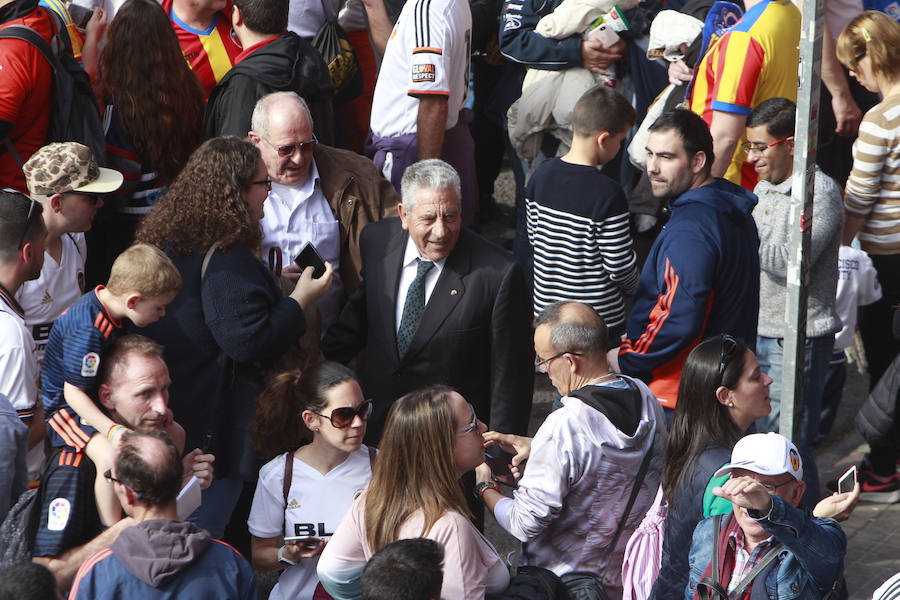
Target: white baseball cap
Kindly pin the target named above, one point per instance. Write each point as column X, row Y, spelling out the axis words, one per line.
column 765, row 454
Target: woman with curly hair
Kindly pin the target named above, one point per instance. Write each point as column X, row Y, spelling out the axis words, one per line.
column 153, row 113
column 230, row 318
column 306, row 491
column 431, row 438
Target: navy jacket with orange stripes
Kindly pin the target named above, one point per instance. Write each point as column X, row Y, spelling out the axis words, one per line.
column 700, row 279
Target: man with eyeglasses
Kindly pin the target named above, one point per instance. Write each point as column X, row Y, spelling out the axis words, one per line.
column 769, row 547
column 584, row 459
column 273, row 60
column 175, row 558
column 320, row 194
column 770, row 150
column 22, row 239
column 134, row 390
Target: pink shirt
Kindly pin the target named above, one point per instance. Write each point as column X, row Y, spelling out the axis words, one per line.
column 471, row 564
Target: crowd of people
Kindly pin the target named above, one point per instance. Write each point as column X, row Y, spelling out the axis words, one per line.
column 250, row 323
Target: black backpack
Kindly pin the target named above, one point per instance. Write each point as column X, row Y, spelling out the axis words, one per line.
column 75, row 116
column 18, row 529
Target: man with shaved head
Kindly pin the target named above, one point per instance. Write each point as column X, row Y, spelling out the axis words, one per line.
column 174, row 558
column 584, row 460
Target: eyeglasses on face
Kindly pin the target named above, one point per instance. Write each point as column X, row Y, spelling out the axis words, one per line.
column 539, row 362
column 773, row 487
column 761, row 148
column 110, row 479
column 729, row 345
column 471, row 426
column 289, row 149
column 342, row 417
column 267, row 182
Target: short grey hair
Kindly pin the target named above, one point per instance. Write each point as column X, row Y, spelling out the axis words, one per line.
column 573, row 335
column 432, row 174
column 259, row 120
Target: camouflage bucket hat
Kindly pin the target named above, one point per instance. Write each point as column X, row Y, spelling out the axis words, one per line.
column 68, row 167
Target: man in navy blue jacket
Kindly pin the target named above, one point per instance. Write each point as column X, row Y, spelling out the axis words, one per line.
column 702, row 275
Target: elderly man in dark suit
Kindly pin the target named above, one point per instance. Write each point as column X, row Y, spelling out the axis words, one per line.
column 438, row 304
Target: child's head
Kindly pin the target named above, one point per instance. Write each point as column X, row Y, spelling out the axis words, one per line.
column 144, row 280
column 602, row 117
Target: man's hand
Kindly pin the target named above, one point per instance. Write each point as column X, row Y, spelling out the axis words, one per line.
column 200, row 466
column 679, row 72
column 597, row 58
column 518, row 445
column 838, row 506
column 309, row 290
column 846, row 114
column 745, row 492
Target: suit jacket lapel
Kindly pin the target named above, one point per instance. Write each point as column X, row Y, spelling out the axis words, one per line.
column 448, row 292
column 390, row 280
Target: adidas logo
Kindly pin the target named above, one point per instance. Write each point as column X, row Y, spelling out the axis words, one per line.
column 47, row 299
column 293, row 504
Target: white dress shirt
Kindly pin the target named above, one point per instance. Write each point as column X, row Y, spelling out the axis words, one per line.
column 295, row 215
column 408, row 274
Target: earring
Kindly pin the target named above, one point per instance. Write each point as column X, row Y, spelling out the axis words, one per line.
column 731, row 405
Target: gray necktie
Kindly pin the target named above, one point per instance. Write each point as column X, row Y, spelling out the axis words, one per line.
column 413, row 308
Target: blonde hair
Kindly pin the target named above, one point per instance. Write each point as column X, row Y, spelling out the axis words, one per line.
column 876, row 34
column 144, row 269
column 416, row 467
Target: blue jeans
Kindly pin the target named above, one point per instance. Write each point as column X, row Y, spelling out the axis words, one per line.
column 219, row 500
column 770, row 352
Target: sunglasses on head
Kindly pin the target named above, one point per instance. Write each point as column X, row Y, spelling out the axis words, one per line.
column 342, row 417
column 729, row 345
column 31, row 206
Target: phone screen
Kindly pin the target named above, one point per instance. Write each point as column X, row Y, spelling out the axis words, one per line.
column 309, row 257
column 498, row 461
column 847, row 480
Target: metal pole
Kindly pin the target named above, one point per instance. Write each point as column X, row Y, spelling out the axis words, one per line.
column 800, row 219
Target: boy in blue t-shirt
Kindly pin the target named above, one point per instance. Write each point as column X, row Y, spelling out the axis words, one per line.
column 578, row 217
column 142, row 282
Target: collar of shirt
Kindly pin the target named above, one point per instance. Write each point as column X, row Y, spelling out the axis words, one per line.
column 412, row 253
column 10, row 300
column 293, row 196
column 744, row 560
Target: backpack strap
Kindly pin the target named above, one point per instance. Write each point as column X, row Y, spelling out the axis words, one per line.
column 286, row 487
column 763, row 562
column 206, row 258
column 712, row 583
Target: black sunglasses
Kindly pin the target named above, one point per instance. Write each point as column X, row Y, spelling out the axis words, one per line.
column 110, row 479
column 342, row 417
column 31, row 207
column 729, row 345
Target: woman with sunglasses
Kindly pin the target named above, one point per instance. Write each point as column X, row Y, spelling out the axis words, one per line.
column 430, row 439
column 324, row 409
column 721, row 393
column 870, row 48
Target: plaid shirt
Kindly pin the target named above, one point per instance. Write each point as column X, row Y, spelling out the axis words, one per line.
column 744, row 561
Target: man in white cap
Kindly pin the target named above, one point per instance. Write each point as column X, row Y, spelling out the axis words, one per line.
column 67, row 182
column 767, row 547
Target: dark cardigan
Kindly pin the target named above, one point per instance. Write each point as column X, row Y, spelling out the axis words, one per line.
column 216, row 342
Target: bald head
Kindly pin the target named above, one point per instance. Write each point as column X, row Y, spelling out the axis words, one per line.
column 574, row 327
column 149, row 464
column 283, row 132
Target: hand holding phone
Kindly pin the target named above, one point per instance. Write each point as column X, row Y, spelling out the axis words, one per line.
column 498, row 461
column 306, row 545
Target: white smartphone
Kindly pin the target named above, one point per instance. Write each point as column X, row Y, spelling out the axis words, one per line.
column 847, row 480
column 307, row 541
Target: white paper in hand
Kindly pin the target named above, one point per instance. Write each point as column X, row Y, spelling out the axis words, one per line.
column 189, row 499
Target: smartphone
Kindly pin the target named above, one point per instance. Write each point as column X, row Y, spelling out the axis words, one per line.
column 309, row 257
column 307, row 541
column 847, row 480
column 498, row 461
column 80, row 15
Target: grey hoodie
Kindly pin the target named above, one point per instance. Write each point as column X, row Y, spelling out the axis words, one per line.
column 156, row 551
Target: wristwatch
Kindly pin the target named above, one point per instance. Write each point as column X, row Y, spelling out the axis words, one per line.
column 284, row 561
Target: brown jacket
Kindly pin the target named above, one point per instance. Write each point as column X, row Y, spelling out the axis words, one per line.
column 358, row 195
